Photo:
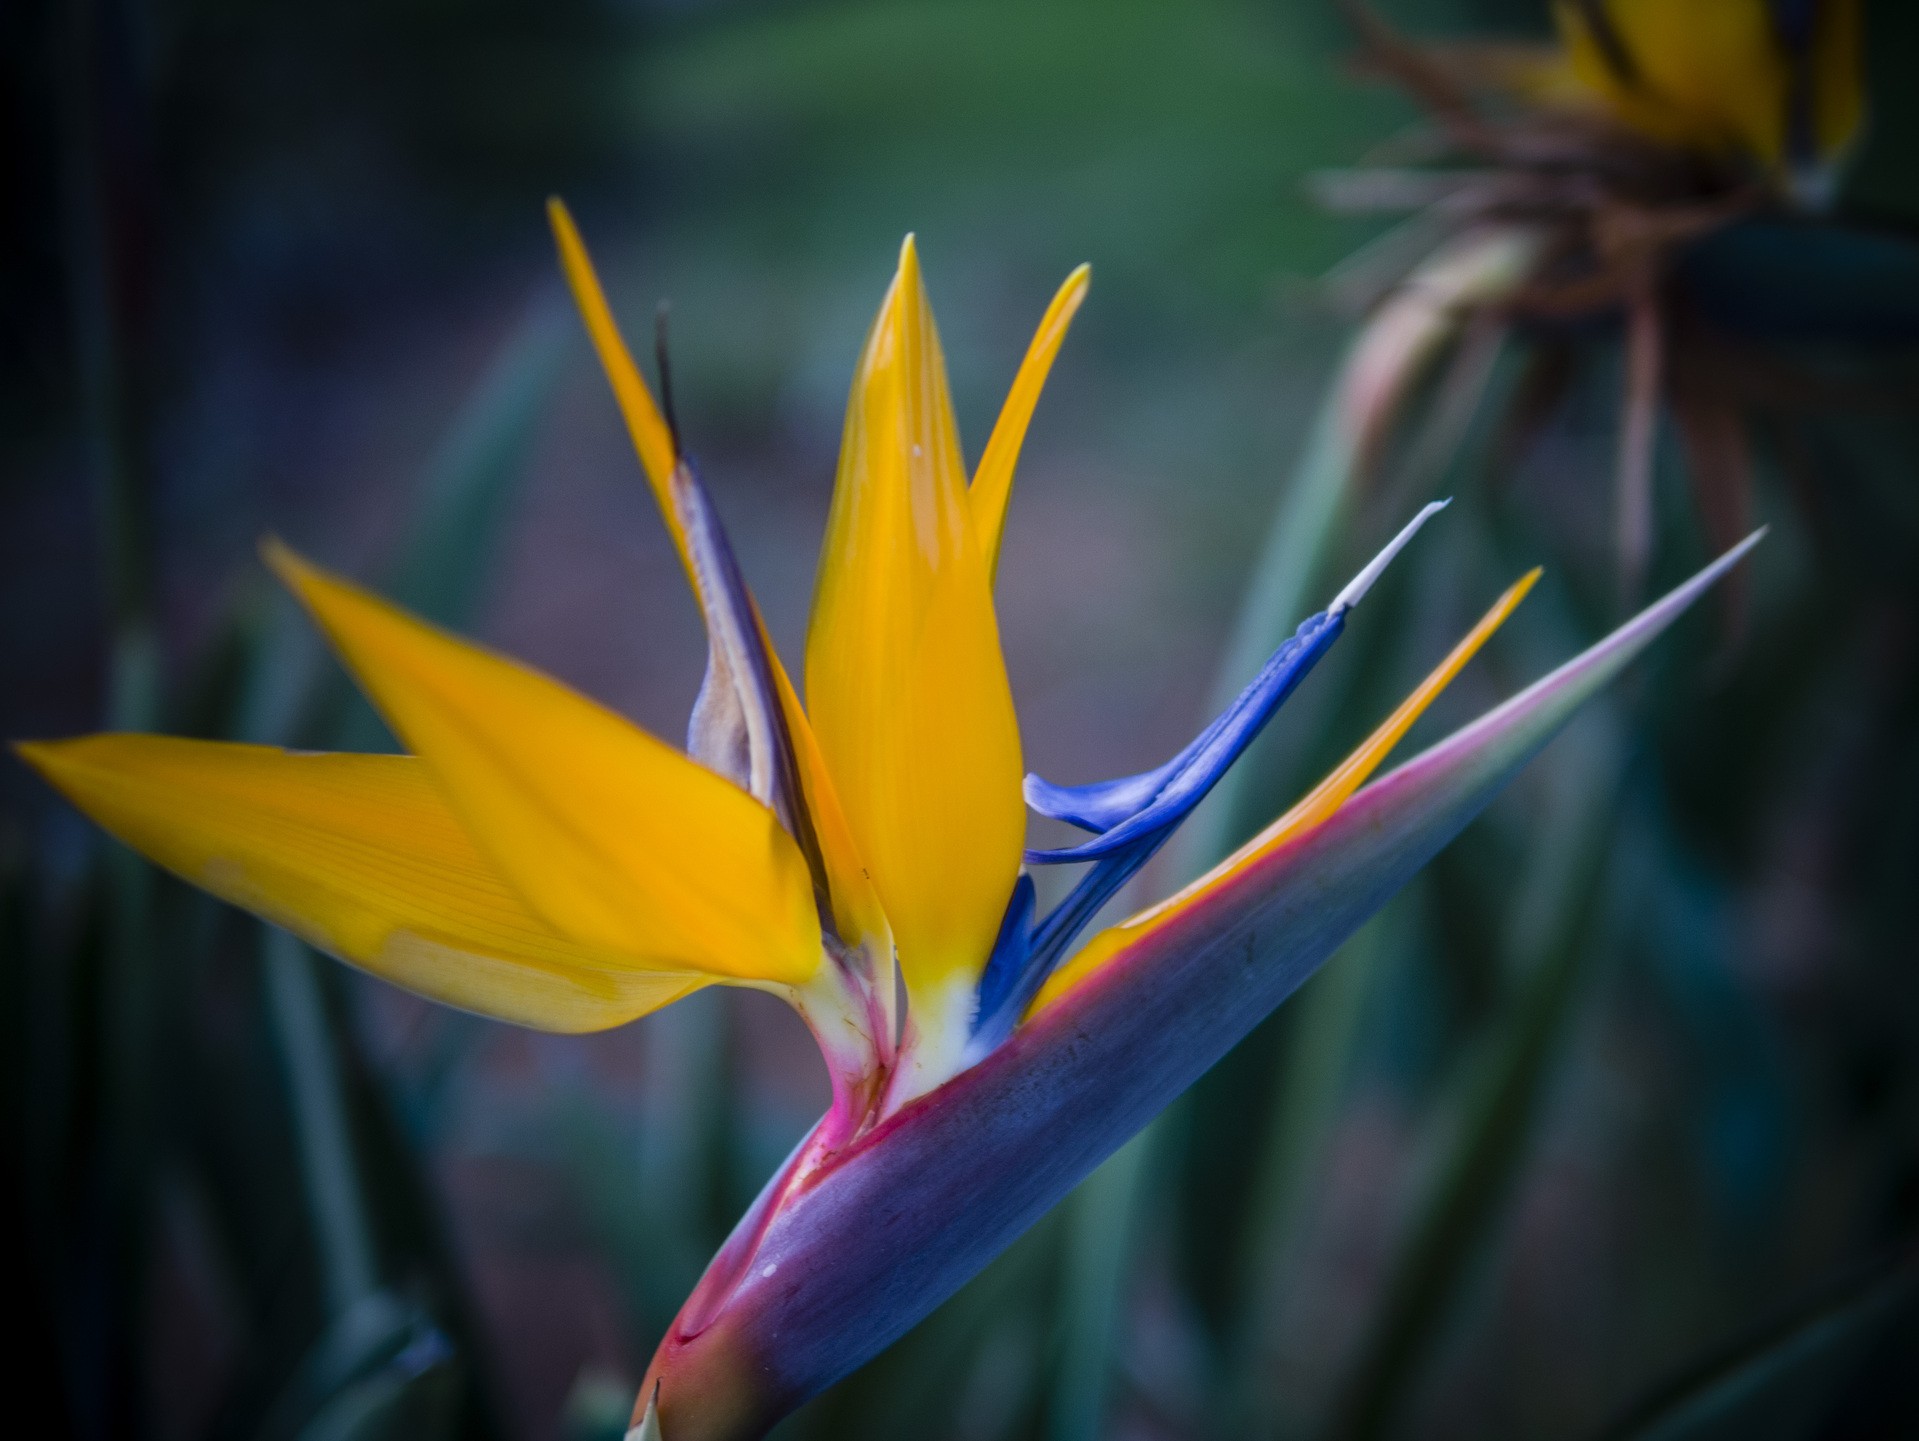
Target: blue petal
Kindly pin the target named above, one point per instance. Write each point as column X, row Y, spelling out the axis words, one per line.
column 1127, row 810
column 1102, row 804
column 1135, row 814
column 1026, row 955
column 1010, row 951
column 1184, row 781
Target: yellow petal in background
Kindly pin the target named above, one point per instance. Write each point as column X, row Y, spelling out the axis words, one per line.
column 616, row 839
column 1835, row 73
column 1313, row 809
column 360, row 856
column 905, row 682
column 993, row 480
column 1706, row 74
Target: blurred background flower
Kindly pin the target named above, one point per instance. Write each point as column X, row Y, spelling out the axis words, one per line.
column 1507, row 1168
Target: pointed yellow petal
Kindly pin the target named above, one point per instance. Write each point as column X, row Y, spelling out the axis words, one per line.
column 651, row 437
column 1350, row 774
column 1311, row 810
column 618, row 840
column 360, row 856
column 993, row 481
column 904, row 678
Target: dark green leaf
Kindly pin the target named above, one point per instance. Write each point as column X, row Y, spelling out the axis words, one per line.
column 1780, row 1382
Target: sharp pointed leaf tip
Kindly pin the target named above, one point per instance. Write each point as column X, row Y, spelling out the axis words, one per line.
column 1357, row 587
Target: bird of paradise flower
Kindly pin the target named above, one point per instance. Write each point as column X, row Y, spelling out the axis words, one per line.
column 1668, row 168
column 537, row 858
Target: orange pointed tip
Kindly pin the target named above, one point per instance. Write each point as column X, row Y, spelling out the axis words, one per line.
column 565, row 231
column 993, row 480
column 38, row 754
column 279, row 557
column 54, row 761
column 295, row 571
column 651, row 436
column 907, row 292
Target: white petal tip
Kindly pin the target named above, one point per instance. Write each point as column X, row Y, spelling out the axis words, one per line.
column 1357, row 587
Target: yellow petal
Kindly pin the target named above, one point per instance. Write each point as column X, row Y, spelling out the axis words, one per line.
column 1312, row 809
column 1706, row 74
column 993, row 480
column 360, row 856
column 618, row 840
column 651, row 437
column 1836, row 73
column 1350, row 774
column 904, row 678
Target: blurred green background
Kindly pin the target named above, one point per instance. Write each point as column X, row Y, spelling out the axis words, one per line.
column 1623, row 1095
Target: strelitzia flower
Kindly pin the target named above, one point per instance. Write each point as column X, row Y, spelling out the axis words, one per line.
column 537, row 858
column 1664, row 165
column 1770, row 84
column 1715, row 93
